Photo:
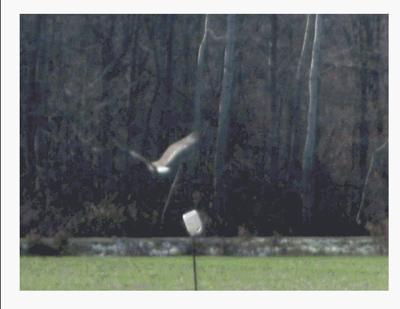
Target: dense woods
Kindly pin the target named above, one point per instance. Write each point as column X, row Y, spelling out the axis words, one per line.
column 292, row 112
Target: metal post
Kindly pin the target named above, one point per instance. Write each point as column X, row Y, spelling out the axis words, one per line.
column 194, row 263
column 194, row 227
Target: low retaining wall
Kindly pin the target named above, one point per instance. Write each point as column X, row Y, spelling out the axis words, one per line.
column 235, row 246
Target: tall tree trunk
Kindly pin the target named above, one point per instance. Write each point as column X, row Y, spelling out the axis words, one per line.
column 168, row 80
column 294, row 128
column 37, row 105
column 132, row 82
column 150, row 29
column 376, row 76
column 262, row 163
column 224, row 117
column 193, row 167
column 33, row 101
column 187, row 65
column 199, row 88
column 312, row 120
column 275, row 109
column 363, row 130
column 107, row 56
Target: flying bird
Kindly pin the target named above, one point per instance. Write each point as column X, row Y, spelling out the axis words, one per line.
column 168, row 164
column 172, row 157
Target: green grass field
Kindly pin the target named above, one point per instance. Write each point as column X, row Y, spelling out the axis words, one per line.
column 214, row 273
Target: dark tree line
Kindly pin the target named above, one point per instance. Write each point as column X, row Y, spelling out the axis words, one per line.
column 292, row 111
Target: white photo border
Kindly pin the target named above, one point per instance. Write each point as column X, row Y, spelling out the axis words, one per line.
column 12, row 297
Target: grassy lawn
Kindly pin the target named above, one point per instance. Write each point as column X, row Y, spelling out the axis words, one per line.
column 214, row 273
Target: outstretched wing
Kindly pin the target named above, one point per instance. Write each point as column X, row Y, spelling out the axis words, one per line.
column 177, row 151
column 140, row 158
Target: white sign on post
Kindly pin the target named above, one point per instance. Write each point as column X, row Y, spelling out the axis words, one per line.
column 193, row 223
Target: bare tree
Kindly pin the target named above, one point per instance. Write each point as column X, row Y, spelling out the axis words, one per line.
column 275, row 106
column 375, row 80
column 294, row 132
column 168, row 80
column 310, row 144
column 380, row 153
column 364, row 30
column 33, row 101
column 224, row 114
column 136, row 83
column 200, row 76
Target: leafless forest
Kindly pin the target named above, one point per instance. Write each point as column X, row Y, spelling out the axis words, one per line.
column 289, row 114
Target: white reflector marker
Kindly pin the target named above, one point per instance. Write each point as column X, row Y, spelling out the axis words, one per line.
column 193, row 223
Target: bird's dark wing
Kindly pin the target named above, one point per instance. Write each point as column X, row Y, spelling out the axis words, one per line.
column 177, row 151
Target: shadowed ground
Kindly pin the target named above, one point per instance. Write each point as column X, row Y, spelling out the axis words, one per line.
column 214, row 273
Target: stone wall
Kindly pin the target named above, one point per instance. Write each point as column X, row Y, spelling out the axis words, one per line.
column 235, row 246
